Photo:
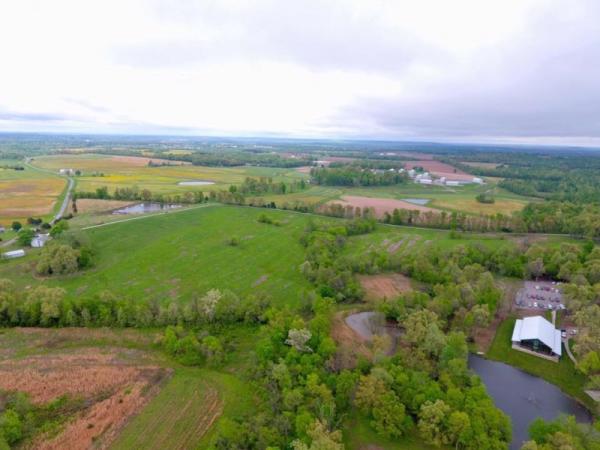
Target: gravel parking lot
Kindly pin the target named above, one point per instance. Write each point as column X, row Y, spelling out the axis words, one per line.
column 543, row 295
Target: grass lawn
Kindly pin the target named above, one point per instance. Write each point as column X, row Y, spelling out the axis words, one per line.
column 563, row 374
column 358, row 434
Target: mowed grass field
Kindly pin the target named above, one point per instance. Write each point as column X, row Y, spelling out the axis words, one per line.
column 26, row 193
column 185, row 412
column 130, row 171
column 185, row 254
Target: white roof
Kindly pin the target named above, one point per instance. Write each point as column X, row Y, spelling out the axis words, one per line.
column 537, row 327
column 14, row 253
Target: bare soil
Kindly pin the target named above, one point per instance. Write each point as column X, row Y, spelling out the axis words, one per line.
column 380, row 205
column 382, row 286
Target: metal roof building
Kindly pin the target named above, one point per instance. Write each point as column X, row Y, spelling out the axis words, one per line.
column 537, row 334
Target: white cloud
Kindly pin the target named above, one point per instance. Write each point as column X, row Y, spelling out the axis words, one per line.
column 497, row 70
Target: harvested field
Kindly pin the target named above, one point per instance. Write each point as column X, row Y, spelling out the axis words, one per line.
column 21, row 198
column 440, row 169
column 382, row 286
column 303, row 169
column 92, row 162
column 380, row 205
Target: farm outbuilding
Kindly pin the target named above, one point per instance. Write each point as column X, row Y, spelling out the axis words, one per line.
column 13, row 254
column 537, row 335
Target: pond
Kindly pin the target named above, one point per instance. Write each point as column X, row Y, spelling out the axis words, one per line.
column 417, row 201
column 524, row 397
column 195, row 183
column 141, row 208
column 369, row 323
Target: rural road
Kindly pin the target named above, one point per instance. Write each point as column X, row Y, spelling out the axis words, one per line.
column 70, row 187
column 65, row 202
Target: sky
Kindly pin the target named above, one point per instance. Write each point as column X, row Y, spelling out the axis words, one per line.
column 513, row 71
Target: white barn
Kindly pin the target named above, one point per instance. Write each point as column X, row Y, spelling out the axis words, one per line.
column 538, row 335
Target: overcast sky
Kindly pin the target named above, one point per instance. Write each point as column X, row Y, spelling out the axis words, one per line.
column 477, row 70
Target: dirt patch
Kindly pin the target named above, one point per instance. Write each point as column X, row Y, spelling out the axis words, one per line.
column 351, row 346
column 260, row 281
column 382, row 286
column 380, row 205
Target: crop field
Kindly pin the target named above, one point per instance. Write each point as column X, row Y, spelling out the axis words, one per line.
column 460, row 199
column 121, row 171
column 25, row 193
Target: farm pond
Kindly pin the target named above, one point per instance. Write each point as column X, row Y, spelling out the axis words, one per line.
column 141, row 208
column 195, row 183
column 523, row 397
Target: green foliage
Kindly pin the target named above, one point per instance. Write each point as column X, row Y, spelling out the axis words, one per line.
column 59, row 259
column 16, row 225
column 351, row 175
column 25, row 236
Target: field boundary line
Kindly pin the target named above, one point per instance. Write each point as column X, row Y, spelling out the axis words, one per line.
column 148, row 216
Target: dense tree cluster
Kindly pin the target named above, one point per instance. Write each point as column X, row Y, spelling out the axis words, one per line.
column 228, row 158
column 266, row 185
column 351, row 175
column 50, row 307
column 324, row 265
column 562, row 433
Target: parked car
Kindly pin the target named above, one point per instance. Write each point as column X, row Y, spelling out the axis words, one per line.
column 563, row 333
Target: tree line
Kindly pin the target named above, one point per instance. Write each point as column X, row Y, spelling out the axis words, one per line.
column 350, row 175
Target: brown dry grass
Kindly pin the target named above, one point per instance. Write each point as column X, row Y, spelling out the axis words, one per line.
column 21, row 198
column 113, row 382
column 380, row 205
column 382, row 286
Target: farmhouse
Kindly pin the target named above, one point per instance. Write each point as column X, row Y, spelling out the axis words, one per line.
column 66, row 171
column 39, row 240
column 535, row 335
column 13, row 254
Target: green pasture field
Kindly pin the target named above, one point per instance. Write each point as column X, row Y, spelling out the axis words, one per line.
column 185, row 254
column 179, row 255
column 120, row 172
